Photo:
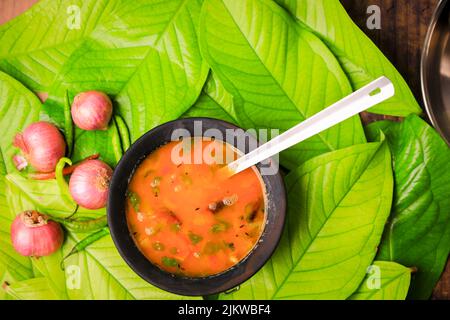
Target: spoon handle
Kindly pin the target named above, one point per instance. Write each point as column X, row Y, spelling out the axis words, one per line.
column 361, row 100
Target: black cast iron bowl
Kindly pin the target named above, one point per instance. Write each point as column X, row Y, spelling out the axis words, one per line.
column 275, row 216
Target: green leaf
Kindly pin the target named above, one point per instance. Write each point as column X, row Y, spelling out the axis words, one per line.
column 384, row 281
column 143, row 53
column 6, row 278
column 279, row 79
column 360, row 58
column 418, row 232
column 104, row 275
column 50, row 268
column 98, row 272
column 105, row 143
column 36, row 44
column 32, row 289
column 128, row 57
column 214, row 102
column 215, row 89
column 207, row 107
column 20, row 266
column 18, row 107
column 42, row 195
column 86, row 275
column 338, row 204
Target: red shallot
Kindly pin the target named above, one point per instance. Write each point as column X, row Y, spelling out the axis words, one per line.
column 92, row 110
column 42, row 145
column 89, row 184
column 33, row 234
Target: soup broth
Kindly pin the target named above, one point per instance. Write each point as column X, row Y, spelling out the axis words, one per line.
column 187, row 219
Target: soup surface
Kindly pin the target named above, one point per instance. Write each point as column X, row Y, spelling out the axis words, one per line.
column 188, row 220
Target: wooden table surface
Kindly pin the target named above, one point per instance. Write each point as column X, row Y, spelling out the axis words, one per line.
column 404, row 25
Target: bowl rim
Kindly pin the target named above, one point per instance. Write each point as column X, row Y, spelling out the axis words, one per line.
column 424, row 68
column 186, row 286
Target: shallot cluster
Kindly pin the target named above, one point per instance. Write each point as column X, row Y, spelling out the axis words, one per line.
column 42, row 145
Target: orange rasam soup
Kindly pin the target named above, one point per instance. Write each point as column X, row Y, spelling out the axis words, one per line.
column 189, row 220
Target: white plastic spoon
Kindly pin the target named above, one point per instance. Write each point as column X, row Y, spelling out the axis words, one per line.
column 359, row 101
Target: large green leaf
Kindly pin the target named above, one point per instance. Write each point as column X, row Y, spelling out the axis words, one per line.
column 102, row 273
column 6, row 278
column 418, row 233
column 338, row 206
column 214, row 102
column 207, row 107
column 36, row 44
column 19, row 267
column 24, row 195
column 97, row 273
column 145, row 55
column 105, row 143
column 360, row 58
column 32, row 289
column 276, row 80
column 44, row 196
column 41, row 195
column 105, row 273
column 50, row 268
column 18, row 107
column 384, row 281
column 216, row 91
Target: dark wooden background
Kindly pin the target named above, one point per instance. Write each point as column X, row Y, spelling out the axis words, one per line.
column 404, row 24
column 403, row 28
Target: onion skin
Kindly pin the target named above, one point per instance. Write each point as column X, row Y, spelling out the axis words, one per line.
column 20, row 162
column 42, row 145
column 89, row 184
column 91, row 110
column 33, row 235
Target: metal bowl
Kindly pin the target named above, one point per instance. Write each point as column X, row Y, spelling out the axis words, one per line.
column 435, row 70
